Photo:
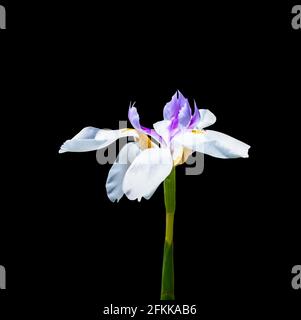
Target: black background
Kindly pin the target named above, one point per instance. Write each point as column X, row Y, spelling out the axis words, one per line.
column 67, row 249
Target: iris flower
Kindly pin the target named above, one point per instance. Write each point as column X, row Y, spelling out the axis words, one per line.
column 144, row 164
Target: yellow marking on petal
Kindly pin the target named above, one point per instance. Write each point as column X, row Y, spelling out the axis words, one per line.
column 197, row 131
column 185, row 153
column 144, row 141
column 128, row 129
column 177, row 161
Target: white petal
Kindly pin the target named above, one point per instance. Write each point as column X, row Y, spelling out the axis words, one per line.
column 161, row 127
column 83, row 141
column 118, row 170
column 213, row 143
column 146, row 173
column 148, row 196
column 191, row 139
column 207, row 119
column 91, row 138
column 221, row 145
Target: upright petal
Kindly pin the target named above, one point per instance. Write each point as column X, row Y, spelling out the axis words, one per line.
column 207, row 119
column 117, row 172
column 135, row 122
column 184, row 115
column 195, row 119
column 171, row 108
column 178, row 109
column 90, row 138
column 147, row 172
column 213, row 143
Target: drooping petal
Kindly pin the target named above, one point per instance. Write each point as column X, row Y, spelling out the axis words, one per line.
column 146, row 173
column 83, row 141
column 195, row 119
column 118, row 170
column 207, row 119
column 148, row 196
column 90, row 138
column 135, row 122
column 221, row 145
column 213, row 143
column 190, row 139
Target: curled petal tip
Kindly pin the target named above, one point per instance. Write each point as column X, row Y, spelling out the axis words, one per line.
column 179, row 93
column 132, row 104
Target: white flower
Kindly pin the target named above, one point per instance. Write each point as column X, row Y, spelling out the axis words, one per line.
column 143, row 165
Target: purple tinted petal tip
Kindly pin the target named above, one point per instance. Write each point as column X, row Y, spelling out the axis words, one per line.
column 195, row 119
column 179, row 94
column 134, row 117
column 135, row 122
column 171, row 108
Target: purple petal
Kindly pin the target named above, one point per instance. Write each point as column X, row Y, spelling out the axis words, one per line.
column 185, row 114
column 181, row 99
column 178, row 107
column 195, row 119
column 135, row 122
column 173, row 127
column 134, row 117
column 171, row 108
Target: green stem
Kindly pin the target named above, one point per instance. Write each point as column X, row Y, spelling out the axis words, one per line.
column 167, row 286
